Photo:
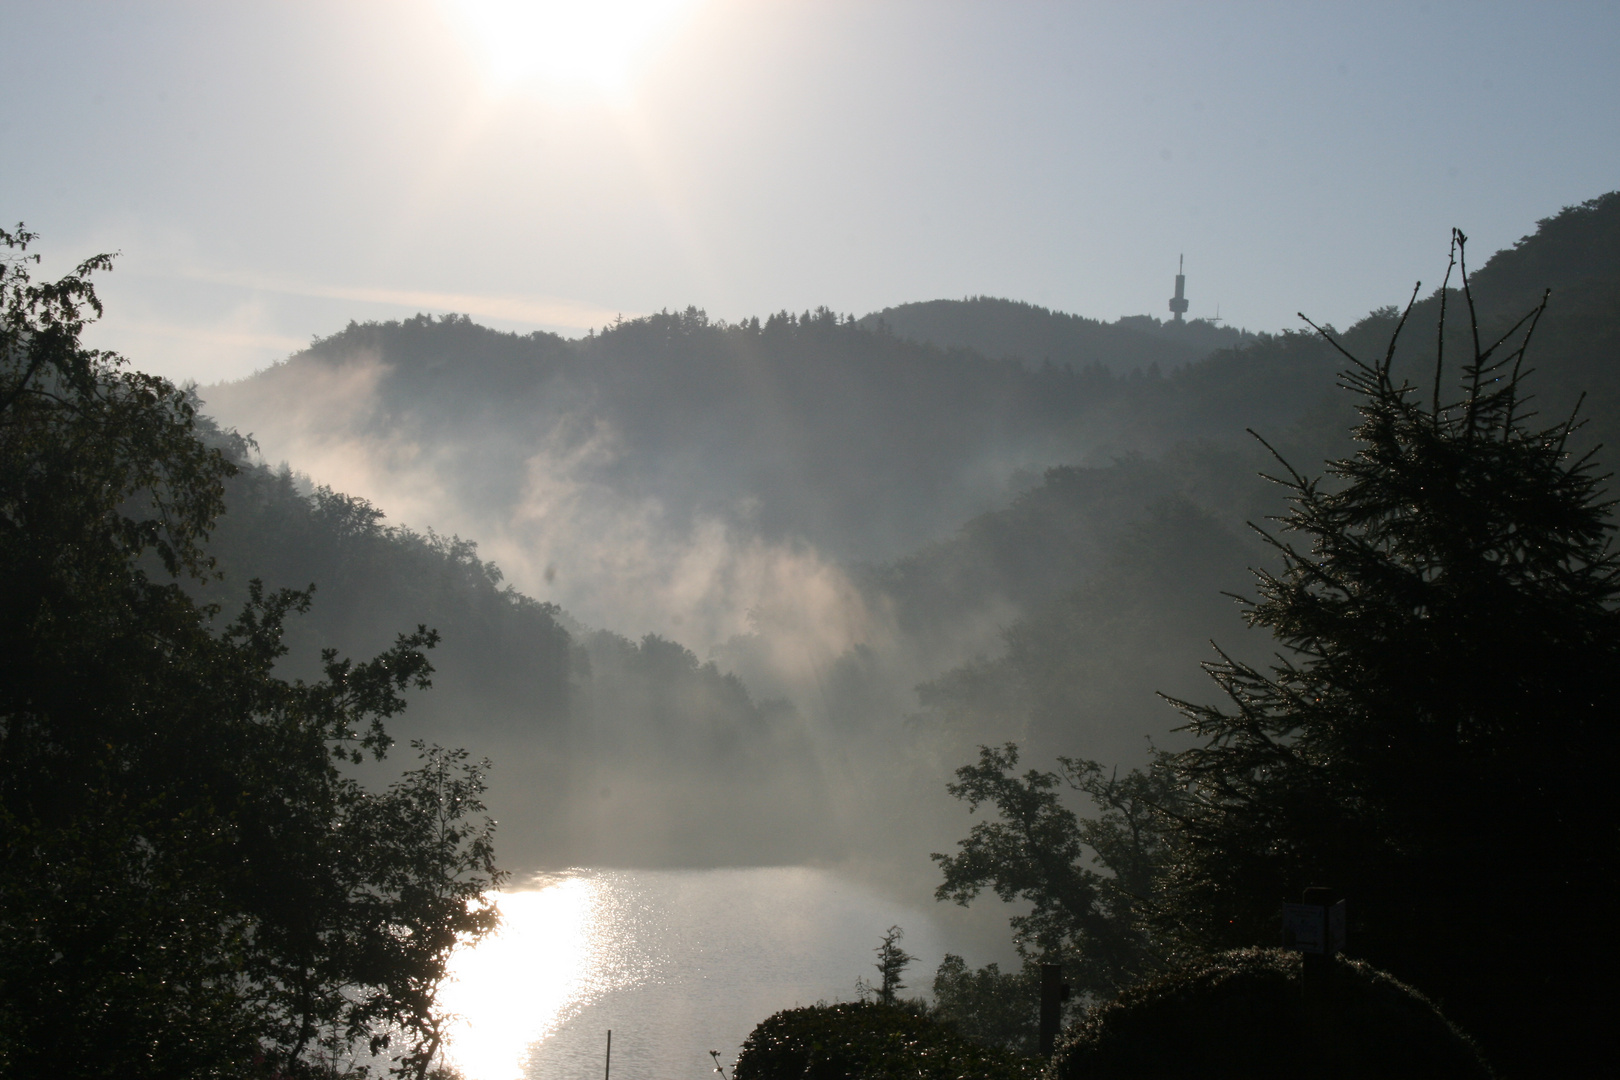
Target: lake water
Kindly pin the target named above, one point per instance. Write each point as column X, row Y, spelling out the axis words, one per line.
column 676, row 963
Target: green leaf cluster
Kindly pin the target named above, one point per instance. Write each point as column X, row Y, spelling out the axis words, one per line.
column 1097, row 923
column 988, row 1005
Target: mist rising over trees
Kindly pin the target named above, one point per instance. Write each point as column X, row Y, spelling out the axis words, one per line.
column 901, row 551
column 717, row 594
column 601, row 736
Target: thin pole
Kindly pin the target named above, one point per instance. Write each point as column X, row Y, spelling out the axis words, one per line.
column 608, row 1067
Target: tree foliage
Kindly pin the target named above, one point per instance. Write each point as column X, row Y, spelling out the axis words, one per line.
column 1437, row 739
column 869, row 1041
column 1434, row 737
column 193, row 882
column 1247, row 1015
column 1097, row 924
column 892, row 961
column 990, row 1006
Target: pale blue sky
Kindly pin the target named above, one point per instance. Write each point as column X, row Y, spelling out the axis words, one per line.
column 272, row 170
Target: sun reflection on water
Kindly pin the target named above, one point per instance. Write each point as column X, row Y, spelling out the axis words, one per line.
column 522, row 982
column 675, row 962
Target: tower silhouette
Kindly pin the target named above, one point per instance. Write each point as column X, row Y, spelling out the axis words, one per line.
column 1178, row 302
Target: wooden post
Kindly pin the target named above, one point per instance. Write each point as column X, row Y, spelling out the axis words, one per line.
column 607, row 1067
column 1053, row 994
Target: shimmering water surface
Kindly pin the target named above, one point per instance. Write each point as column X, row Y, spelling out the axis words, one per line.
column 676, row 963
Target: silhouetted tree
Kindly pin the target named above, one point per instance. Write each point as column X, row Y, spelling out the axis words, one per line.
column 1246, row 1015
column 1097, row 924
column 190, row 885
column 863, row 1040
column 1438, row 738
column 892, row 962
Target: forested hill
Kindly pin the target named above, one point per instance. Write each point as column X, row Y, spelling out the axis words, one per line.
column 1013, row 329
column 833, row 515
column 1119, row 569
column 671, row 439
column 608, row 750
column 809, row 426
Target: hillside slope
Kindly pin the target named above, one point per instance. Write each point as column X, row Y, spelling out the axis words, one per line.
column 1119, row 569
column 607, row 751
column 833, row 516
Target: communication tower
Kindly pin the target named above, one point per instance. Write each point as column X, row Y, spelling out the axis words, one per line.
column 1178, row 302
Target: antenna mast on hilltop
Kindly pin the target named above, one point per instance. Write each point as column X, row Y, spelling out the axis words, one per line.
column 1178, row 302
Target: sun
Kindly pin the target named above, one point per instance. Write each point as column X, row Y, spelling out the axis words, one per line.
column 562, row 44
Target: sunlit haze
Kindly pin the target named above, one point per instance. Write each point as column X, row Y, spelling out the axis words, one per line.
column 807, row 500
column 559, row 43
column 270, row 172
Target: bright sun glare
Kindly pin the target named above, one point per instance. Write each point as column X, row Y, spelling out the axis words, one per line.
column 574, row 44
column 513, row 988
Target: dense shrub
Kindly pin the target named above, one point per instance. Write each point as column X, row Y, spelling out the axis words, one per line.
column 989, row 1006
column 869, row 1041
column 1245, row 1014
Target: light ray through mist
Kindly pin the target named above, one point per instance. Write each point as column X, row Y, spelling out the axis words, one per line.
column 546, row 311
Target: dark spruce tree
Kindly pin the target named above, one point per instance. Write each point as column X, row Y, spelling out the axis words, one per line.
column 892, row 961
column 192, row 882
column 1438, row 738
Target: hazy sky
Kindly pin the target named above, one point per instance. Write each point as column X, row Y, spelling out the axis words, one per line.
column 271, row 170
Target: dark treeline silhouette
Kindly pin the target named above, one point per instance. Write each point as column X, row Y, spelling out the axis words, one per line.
column 1011, row 328
column 193, row 879
column 856, row 440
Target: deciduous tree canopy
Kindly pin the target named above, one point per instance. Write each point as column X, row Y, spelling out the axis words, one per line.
column 192, row 880
column 1095, row 923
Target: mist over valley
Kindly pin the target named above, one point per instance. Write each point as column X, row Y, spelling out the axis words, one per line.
column 746, row 594
column 662, row 539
